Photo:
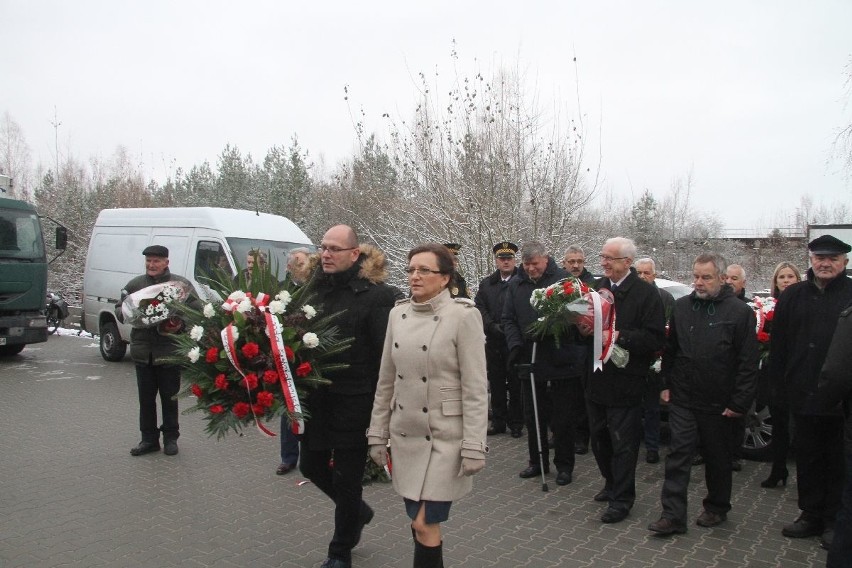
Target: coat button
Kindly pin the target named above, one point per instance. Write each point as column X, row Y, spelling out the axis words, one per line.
column 399, row 405
column 435, row 318
column 425, row 409
column 396, row 345
column 423, row 379
column 428, row 438
column 424, row 348
column 404, row 316
column 403, row 434
column 400, row 377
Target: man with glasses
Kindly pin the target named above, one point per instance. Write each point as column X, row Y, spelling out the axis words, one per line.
column 561, row 366
column 506, row 406
column 574, row 264
column 805, row 319
column 350, row 281
column 614, row 395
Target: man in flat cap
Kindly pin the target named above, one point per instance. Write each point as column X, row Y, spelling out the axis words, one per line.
column 805, row 318
column 148, row 347
column 458, row 285
column 505, row 410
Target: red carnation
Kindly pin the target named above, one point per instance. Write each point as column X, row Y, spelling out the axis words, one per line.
column 258, row 409
column 304, row 369
column 270, row 377
column 196, row 390
column 212, row 355
column 217, row 409
column 155, row 303
column 250, row 381
column 769, row 315
column 568, row 287
column 763, row 337
column 250, row 350
column 241, row 409
column 265, row 398
column 289, row 353
column 221, row 382
column 548, row 292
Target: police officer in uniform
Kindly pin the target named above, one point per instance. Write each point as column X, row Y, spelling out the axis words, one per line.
column 458, row 288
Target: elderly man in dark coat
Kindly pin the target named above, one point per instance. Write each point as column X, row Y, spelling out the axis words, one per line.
column 614, row 395
column 805, row 318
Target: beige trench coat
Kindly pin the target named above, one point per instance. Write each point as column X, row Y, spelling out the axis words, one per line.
column 432, row 399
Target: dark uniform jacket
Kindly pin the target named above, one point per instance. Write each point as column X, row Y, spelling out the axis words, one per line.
column 489, row 301
column 710, row 362
column 567, row 361
column 340, row 412
column 147, row 345
column 804, row 322
column 641, row 330
column 835, row 380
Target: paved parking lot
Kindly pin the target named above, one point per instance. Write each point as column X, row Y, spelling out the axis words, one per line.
column 71, row 495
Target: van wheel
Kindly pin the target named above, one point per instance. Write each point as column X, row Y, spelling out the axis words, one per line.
column 112, row 347
column 10, row 350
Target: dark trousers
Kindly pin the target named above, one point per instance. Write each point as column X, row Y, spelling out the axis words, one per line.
column 840, row 553
column 780, row 437
column 506, row 404
column 151, row 380
column 651, row 416
column 557, row 407
column 289, row 443
column 715, row 433
column 819, row 465
column 615, row 437
column 342, row 483
column 581, row 424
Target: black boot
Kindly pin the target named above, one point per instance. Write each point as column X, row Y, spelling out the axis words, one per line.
column 428, row 556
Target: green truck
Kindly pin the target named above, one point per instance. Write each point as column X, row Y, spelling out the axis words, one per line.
column 23, row 273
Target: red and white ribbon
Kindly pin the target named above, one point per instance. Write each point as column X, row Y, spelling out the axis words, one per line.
column 285, row 376
column 228, row 342
column 601, row 352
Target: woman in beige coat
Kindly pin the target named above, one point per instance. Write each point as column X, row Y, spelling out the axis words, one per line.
column 431, row 400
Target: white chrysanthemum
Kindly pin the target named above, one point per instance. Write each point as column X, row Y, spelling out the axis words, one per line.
column 194, row 354
column 276, row 307
column 209, row 310
column 310, row 340
column 196, row 332
column 283, row 295
column 229, row 306
column 237, row 296
column 244, row 306
column 309, row 311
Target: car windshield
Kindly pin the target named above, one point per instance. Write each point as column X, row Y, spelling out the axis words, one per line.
column 276, row 251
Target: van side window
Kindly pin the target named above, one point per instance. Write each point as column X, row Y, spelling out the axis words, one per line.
column 209, row 258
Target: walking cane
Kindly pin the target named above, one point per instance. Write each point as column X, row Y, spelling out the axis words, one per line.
column 537, row 425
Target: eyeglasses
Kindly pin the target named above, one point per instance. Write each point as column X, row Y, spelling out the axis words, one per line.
column 421, row 271
column 576, row 261
column 605, row 258
column 333, row 249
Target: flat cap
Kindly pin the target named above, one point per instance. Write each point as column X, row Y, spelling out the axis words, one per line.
column 156, row 250
column 505, row 249
column 454, row 247
column 828, row 244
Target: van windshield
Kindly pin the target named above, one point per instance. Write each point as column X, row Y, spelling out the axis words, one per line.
column 276, row 251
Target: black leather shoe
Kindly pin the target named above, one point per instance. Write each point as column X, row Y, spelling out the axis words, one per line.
column 737, row 465
column 517, row 432
column 366, row 515
column 710, row 519
column 803, row 527
column 145, row 448
column 827, row 538
column 666, row 526
column 335, row 563
column 612, row 515
column 532, row 471
column 602, row 496
column 581, row 449
column 170, row 447
column 652, row 456
column 496, row 428
column 698, row 459
column 564, row 478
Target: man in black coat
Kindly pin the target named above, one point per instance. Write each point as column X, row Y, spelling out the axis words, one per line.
column 614, row 395
column 506, row 405
column 562, row 366
column 351, row 280
column 835, row 389
column 802, row 330
column 710, row 371
column 574, row 264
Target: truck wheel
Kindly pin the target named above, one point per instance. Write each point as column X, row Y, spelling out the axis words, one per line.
column 9, row 350
column 112, row 347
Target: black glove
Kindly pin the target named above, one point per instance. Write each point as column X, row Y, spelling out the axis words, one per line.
column 515, row 355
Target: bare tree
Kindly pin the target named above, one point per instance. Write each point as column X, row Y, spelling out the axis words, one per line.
column 15, row 157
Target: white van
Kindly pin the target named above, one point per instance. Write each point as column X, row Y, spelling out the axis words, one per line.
column 198, row 238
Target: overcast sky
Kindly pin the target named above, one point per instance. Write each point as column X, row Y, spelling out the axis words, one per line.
column 747, row 95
